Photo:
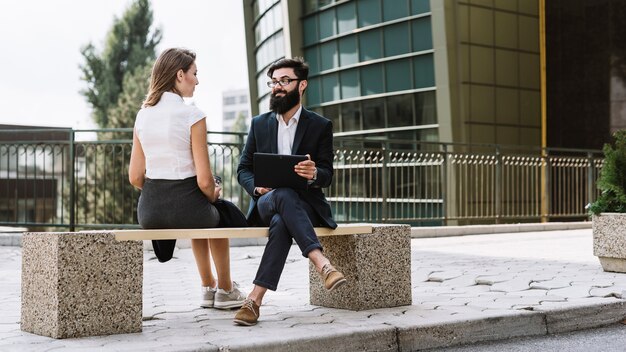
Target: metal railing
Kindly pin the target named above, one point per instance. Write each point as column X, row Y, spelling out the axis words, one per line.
column 82, row 182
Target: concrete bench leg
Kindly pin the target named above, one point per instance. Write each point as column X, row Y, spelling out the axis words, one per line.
column 81, row 284
column 377, row 267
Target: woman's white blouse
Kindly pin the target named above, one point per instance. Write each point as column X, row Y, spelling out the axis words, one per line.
column 164, row 131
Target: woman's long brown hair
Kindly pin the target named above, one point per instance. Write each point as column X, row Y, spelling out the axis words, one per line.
column 163, row 77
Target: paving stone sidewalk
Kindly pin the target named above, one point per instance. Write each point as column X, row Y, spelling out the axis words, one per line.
column 465, row 289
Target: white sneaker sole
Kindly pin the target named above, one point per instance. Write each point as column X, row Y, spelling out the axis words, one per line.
column 206, row 304
column 228, row 304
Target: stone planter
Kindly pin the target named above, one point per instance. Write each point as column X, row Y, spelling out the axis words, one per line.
column 609, row 241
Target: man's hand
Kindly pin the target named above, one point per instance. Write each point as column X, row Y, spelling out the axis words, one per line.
column 261, row 190
column 306, row 168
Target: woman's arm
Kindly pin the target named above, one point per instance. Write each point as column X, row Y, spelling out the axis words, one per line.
column 200, row 154
column 137, row 167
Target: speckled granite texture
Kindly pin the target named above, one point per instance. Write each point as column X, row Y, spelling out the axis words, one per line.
column 81, row 284
column 609, row 241
column 377, row 267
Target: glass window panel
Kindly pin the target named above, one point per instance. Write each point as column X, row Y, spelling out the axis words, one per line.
column 421, row 6
column 507, row 106
column 529, row 6
column 369, row 12
column 481, row 65
column 313, row 96
column 400, row 110
column 482, row 134
column 422, row 34
column 323, row 3
column 331, row 112
column 530, row 136
column 506, row 68
column 328, row 23
column 349, row 84
column 264, row 104
column 425, row 108
column 262, row 83
column 311, row 56
column 529, row 33
column 396, row 39
column 350, row 117
column 330, row 88
column 429, row 135
column 482, row 104
column 310, row 6
column 530, row 107
column 529, row 70
column 372, row 79
column 310, row 30
column 506, row 30
column 329, row 55
column 373, row 114
column 398, row 75
column 424, row 71
column 346, row 17
column 347, row 51
column 481, row 25
column 394, row 9
column 370, row 47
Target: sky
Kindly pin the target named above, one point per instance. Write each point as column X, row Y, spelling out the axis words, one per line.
column 40, row 45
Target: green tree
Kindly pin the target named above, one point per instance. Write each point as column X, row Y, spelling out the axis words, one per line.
column 130, row 45
column 117, row 80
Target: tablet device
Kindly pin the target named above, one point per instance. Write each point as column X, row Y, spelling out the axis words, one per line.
column 276, row 171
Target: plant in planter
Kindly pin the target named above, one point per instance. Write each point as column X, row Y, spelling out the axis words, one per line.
column 609, row 210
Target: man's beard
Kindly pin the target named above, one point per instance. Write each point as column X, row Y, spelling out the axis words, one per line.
column 283, row 104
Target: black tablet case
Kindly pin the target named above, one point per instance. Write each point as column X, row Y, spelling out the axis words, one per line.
column 276, row 171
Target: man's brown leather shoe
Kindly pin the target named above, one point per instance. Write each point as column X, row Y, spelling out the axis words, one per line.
column 332, row 278
column 248, row 314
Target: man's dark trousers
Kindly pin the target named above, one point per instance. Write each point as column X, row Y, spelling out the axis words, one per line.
column 289, row 218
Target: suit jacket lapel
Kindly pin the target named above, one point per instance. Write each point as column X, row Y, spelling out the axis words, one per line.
column 272, row 126
column 303, row 124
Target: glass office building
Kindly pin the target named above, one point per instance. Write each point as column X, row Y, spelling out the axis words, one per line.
column 421, row 70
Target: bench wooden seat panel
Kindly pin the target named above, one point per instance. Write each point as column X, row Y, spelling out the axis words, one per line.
column 231, row 232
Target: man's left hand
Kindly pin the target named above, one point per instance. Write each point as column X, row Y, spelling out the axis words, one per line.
column 306, row 168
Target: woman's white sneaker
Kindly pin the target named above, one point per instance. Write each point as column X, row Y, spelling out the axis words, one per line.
column 229, row 300
column 208, row 297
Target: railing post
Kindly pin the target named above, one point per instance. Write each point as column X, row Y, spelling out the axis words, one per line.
column 444, row 185
column 591, row 182
column 498, row 190
column 545, row 186
column 72, row 175
column 385, row 181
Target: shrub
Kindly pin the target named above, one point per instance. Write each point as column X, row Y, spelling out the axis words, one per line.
column 612, row 180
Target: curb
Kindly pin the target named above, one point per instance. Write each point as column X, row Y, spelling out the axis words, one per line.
column 400, row 336
column 446, row 231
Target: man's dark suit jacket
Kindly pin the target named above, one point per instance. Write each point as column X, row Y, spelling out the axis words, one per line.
column 314, row 136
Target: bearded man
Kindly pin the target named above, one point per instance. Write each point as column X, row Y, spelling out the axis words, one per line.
column 290, row 214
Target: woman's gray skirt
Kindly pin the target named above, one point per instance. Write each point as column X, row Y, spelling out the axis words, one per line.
column 174, row 204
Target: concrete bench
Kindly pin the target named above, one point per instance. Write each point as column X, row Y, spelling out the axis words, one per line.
column 90, row 283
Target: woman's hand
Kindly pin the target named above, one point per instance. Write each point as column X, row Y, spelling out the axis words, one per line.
column 218, row 192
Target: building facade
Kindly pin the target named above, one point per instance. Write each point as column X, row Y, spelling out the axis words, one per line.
column 235, row 110
column 421, row 70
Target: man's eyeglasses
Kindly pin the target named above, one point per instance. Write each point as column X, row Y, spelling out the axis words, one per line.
column 283, row 82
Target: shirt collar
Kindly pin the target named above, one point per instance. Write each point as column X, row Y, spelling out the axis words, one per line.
column 295, row 117
column 169, row 96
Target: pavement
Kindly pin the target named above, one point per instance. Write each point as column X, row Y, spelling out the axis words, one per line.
column 465, row 289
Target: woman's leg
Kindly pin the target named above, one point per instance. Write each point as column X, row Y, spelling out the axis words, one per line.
column 200, row 249
column 220, row 249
